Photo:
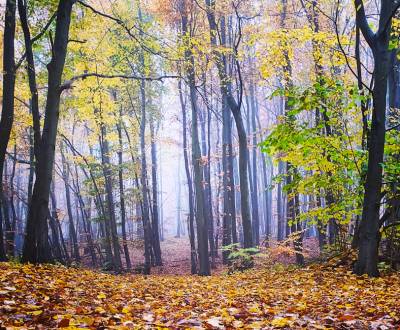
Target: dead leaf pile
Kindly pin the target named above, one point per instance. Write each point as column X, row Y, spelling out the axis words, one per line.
column 314, row 298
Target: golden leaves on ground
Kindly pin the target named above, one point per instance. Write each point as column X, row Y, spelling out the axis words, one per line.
column 312, row 298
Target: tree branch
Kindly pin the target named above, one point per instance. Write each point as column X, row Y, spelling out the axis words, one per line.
column 361, row 17
column 68, row 84
column 393, row 127
column 36, row 38
column 392, row 14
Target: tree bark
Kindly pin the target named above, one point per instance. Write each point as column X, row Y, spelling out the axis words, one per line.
column 7, row 113
column 36, row 246
column 369, row 235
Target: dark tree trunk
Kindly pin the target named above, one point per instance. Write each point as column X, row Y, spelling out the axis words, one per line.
column 394, row 104
column 369, row 235
column 36, row 246
column 7, row 113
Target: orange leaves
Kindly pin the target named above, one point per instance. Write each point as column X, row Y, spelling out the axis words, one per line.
column 276, row 298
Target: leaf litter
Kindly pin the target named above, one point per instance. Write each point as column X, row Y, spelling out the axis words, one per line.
column 315, row 297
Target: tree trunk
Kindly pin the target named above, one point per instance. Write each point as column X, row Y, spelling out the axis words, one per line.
column 7, row 113
column 122, row 195
column 36, row 246
column 143, row 180
column 60, row 249
column 205, row 151
column 72, row 231
column 201, row 220
column 369, row 235
column 235, row 107
column 193, row 253
column 31, row 72
column 155, row 218
column 85, row 213
column 254, row 197
column 108, row 178
column 229, row 214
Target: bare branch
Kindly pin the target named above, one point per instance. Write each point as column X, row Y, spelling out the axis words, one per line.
column 68, row 84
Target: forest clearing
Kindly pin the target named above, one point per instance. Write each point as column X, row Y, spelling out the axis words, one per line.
column 200, row 164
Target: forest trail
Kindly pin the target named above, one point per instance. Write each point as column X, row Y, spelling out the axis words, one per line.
column 176, row 255
column 314, row 298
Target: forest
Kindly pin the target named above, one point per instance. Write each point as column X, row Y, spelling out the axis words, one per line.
column 200, row 164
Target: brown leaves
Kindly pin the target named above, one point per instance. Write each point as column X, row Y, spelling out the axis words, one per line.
column 312, row 298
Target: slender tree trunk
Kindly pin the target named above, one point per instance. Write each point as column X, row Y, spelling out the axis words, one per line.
column 178, row 204
column 72, row 231
column 229, row 214
column 108, row 178
column 60, row 249
column 122, row 196
column 266, row 186
column 143, row 180
column 85, row 213
column 10, row 235
column 205, row 150
column 31, row 72
column 193, row 253
column 155, row 219
column 255, row 204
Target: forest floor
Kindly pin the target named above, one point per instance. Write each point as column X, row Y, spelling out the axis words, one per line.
column 176, row 255
column 320, row 296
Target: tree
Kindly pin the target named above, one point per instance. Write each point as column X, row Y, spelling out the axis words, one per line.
column 235, row 107
column 368, row 235
column 36, row 246
column 202, row 228
column 7, row 114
